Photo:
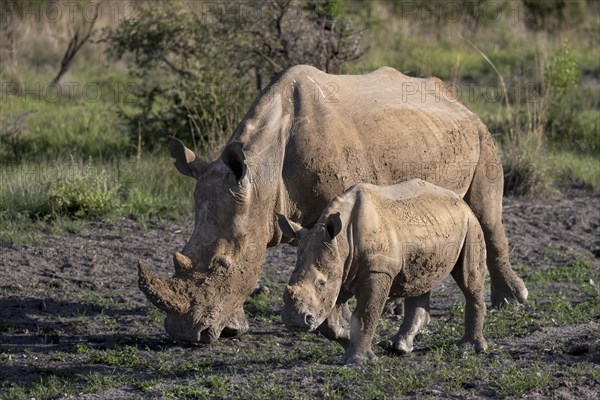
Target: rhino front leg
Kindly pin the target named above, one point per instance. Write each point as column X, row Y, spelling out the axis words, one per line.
column 373, row 290
column 337, row 325
column 416, row 316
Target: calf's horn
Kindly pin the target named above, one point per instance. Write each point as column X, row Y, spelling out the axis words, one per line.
column 160, row 292
column 182, row 263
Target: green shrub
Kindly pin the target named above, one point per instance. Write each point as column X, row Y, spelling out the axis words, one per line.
column 196, row 74
column 573, row 118
column 553, row 14
column 562, row 72
column 85, row 198
column 181, row 83
column 521, row 175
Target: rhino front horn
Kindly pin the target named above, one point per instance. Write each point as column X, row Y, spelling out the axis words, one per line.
column 161, row 292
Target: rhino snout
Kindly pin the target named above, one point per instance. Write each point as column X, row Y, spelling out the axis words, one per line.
column 299, row 321
column 309, row 320
column 181, row 328
column 296, row 311
column 208, row 335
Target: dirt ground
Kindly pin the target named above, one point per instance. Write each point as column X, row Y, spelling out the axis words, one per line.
column 77, row 292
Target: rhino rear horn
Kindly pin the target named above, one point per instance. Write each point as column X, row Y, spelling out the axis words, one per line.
column 161, row 292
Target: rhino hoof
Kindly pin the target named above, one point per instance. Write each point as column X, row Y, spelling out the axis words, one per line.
column 398, row 347
column 479, row 345
column 386, row 344
column 359, row 359
column 504, row 296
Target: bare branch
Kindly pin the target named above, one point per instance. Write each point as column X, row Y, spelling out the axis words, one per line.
column 74, row 46
column 180, row 71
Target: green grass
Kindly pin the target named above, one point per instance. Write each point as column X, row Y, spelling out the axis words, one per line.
column 63, row 128
column 576, row 167
column 516, row 381
column 259, row 306
column 579, row 270
column 566, row 294
column 56, row 383
column 124, row 357
column 61, row 195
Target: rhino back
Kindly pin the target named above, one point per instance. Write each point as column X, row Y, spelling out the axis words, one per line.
column 413, row 231
column 382, row 127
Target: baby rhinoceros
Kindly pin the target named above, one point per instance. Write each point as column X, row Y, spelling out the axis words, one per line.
column 379, row 241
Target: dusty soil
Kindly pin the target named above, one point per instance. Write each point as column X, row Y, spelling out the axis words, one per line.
column 81, row 288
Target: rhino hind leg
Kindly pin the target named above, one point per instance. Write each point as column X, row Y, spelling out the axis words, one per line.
column 485, row 199
column 505, row 284
column 416, row 317
column 394, row 307
column 469, row 274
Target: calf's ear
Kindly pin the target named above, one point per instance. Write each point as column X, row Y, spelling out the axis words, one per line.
column 289, row 229
column 333, row 226
column 186, row 161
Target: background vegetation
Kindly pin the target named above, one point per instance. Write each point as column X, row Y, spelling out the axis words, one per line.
column 93, row 145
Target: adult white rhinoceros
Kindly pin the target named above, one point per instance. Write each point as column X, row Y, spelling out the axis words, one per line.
column 307, row 138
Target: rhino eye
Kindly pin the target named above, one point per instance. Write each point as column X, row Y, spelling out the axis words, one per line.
column 320, row 283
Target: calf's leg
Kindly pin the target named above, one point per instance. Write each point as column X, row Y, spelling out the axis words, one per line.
column 416, row 316
column 337, row 325
column 469, row 274
column 373, row 291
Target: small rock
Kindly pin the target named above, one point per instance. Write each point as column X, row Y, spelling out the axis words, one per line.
column 578, row 350
column 469, row 385
column 65, row 265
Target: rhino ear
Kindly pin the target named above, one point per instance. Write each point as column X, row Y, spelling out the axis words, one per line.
column 289, row 229
column 333, row 226
column 233, row 156
column 186, row 161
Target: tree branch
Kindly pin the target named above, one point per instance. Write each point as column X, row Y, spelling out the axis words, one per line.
column 74, row 46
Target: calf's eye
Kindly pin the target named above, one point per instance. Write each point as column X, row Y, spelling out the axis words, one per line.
column 320, row 283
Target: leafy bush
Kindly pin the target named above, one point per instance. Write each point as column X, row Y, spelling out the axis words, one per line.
column 197, row 73
column 524, row 170
column 179, row 80
column 83, row 198
column 572, row 111
column 553, row 14
column 562, row 72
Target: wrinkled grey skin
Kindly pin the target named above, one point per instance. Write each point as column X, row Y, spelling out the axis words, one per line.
column 375, row 241
column 307, row 138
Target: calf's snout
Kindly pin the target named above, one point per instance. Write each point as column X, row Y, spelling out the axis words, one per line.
column 298, row 321
column 296, row 315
